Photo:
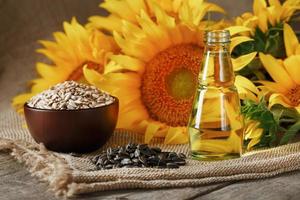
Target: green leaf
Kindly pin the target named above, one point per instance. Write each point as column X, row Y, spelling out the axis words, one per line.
column 259, row 39
column 290, row 133
column 274, row 41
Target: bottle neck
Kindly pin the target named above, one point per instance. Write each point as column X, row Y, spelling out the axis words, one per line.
column 217, row 67
column 217, row 47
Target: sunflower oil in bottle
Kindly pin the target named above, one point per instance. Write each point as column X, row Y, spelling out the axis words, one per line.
column 216, row 126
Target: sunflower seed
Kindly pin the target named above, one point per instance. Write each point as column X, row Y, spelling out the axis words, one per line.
column 133, row 155
column 182, row 155
column 172, row 165
column 71, row 96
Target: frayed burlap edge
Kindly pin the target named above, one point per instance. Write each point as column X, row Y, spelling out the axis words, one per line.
column 55, row 172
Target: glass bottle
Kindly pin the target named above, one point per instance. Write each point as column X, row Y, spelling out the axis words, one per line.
column 216, row 126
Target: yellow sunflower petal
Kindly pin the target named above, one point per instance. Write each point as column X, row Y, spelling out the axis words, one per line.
column 273, row 15
column 120, row 8
column 51, row 73
column 246, row 88
column 150, row 131
column 278, row 99
column 275, row 3
column 256, row 133
column 250, row 126
column 246, row 94
column 163, row 18
column 297, row 52
column 211, row 7
column 139, row 48
column 185, row 13
column 157, row 35
column 235, row 41
column 246, row 83
column 137, row 5
column 21, row 99
column 129, row 79
column 263, row 21
column 107, row 42
column 276, row 71
column 112, row 82
column 162, row 132
column 253, row 130
column 298, row 109
column 130, row 119
column 237, row 29
column 125, row 63
column 242, row 61
column 292, row 66
column 128, row 100
column 252, row 143
column 111, row 23
column 176, row 135
column 274, row 87
column 258, row 6
column 290, row 40
column 92, row 76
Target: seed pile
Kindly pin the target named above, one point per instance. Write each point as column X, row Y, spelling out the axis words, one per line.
column 70, row 95
column 137, row 155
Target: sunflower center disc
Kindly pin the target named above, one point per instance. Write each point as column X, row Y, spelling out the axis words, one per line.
column 77, row 74
column 180, row 83
column 169, row 83
column 294, row 95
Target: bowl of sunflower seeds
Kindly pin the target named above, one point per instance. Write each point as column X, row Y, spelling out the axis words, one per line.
column 72, row 117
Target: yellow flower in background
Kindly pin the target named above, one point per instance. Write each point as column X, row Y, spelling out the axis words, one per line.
column 286, row 88
column 128, row 10
column 247, row 89
column 252, row 133
column 165, row 52
column 286, row 74
column 74, row 48
column 292, row 45
column 264, row 14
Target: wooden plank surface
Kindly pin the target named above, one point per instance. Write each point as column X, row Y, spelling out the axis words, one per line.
column 24, row 22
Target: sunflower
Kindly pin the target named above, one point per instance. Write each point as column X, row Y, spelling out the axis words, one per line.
column 128, row 10
column 286, row 88
column 253, row 133
column 266, row 13
column 165, row 52
column 74, row 48
column 292, row 45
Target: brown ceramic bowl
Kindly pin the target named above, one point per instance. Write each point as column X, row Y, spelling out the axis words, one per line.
column 79, row 131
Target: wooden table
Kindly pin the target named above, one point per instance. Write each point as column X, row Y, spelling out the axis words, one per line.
column 22, row 23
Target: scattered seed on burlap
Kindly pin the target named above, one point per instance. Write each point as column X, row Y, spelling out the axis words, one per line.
column 138, row 155
column 70, row 95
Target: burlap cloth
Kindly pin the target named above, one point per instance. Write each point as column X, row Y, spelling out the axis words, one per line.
column 69, row 175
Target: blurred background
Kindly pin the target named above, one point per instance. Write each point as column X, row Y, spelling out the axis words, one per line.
column 23, row 23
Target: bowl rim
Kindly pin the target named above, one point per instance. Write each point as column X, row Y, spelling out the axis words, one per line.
column 116, row 101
